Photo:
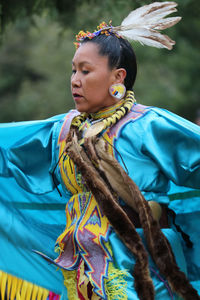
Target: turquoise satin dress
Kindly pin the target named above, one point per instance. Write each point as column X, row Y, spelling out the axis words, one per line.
column 162, row 154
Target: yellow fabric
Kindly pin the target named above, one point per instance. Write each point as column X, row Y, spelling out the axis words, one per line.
column 12, row 288
column 35, row 291
column 3, row 280
column 29, row 291
column 70, row 282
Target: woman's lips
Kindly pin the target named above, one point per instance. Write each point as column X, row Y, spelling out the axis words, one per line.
column 77, row 96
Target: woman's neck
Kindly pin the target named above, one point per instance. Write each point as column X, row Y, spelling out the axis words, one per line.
column 107, row 111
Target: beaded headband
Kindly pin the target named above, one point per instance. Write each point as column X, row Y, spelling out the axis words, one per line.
column 142, row 24
column 102, row 28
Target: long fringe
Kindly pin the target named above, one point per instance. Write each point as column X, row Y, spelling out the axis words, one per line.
column 116, row 283
column 12, row 287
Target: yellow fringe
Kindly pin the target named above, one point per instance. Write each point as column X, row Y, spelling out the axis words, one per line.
column 116, row 284
column 70, row 282
column 12, row 288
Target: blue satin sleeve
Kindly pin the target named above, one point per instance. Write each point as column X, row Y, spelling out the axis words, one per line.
column 174, row 144
column 157, row 148
column 28, row 153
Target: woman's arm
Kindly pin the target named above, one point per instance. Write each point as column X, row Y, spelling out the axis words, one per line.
column 174, row 144
column 27, row 153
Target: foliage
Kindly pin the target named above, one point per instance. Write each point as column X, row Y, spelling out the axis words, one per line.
column 37, row 48
column 65, row 11
column 33, row 66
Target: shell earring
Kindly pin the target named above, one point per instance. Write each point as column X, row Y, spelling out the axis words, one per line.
column 117, row 90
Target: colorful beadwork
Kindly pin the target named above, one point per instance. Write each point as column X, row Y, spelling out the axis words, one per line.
column 102, row 28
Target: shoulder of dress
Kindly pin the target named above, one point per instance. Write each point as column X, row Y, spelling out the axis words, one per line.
column 151, row 113
column 137, row 112
column 140, row 108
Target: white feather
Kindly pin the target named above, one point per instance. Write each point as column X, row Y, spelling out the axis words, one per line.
column 142, row 24
column 166, row 23
column 154, row 10
column 153, row 39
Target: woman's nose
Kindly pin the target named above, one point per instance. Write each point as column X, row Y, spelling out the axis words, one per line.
column 75, row 80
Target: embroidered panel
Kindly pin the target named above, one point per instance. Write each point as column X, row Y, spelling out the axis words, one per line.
column 87, row 229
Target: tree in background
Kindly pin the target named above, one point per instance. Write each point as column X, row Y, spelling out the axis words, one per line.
column 37, row 48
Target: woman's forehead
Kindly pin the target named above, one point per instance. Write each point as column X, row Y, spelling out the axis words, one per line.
column 88, row 53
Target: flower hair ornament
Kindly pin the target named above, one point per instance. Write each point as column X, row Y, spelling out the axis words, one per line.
column 142, row 25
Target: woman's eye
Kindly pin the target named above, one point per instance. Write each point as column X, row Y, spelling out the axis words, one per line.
column 85, row 72
column 73, row 71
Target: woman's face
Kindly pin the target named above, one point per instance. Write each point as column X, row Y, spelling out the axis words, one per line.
column 91, row 79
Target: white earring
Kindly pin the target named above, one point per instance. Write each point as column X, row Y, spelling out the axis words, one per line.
column 117, row 90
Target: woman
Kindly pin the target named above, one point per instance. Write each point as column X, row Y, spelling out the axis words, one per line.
column 143, row 142
column 115, row 156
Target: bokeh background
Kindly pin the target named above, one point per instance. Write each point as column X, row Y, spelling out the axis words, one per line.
column 36, row 49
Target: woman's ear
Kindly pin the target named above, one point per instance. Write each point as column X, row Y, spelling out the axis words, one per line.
column 120, row 75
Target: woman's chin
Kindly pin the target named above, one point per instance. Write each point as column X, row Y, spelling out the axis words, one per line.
column 81, row 108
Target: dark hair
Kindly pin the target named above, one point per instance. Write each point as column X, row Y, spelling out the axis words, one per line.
column 120, row 55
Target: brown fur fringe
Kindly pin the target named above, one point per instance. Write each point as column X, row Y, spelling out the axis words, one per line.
column 90, row 160
column 116, row 216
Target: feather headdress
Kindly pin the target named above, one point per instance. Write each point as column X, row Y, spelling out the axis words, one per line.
column 143, row 25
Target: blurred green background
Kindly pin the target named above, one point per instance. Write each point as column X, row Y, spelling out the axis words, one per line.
column 36, row 49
